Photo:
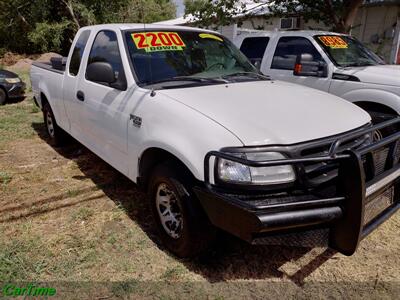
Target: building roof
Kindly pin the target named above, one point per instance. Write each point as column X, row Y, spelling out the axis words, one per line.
column 133, row 26
column 251, row 9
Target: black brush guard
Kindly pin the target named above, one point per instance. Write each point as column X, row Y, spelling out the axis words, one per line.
column 343, row 215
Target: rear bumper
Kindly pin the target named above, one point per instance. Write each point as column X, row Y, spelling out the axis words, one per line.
column 348, row 217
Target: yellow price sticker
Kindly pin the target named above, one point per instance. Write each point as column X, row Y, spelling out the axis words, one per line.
column 334, row 42
column 210, row 36
column 158, row 41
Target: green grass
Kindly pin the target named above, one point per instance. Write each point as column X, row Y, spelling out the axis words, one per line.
column 16, row 119
column 17, row 261
column 5, row 178
column 83, row 214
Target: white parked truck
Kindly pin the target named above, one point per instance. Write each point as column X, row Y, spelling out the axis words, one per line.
column 182, row 113
column 327, row 61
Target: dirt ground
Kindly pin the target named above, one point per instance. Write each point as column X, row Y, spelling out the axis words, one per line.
column 69, row 220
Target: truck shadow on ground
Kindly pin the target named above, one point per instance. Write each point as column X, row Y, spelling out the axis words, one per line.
column 229, row 259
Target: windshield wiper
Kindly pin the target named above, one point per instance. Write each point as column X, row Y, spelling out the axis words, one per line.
column 359, row 64
column 247, row 74
column 189, row 78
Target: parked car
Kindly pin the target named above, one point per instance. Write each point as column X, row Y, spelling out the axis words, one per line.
column 182, row 113
column 327, row 61
column 11, row 86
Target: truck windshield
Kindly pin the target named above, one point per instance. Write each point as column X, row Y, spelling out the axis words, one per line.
column 187, row 57
column 346, row 51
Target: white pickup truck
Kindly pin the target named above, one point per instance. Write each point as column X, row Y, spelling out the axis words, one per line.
column 182, row 113
column 327, row 61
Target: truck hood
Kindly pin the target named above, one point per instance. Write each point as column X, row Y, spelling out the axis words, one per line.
column 380, row 74
column 272, row 112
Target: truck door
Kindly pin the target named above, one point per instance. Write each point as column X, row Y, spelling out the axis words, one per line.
column 281, row 64
column 71, row 78
column 105, row 112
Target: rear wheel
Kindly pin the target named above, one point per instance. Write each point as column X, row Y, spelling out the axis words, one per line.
column 181, row 222
column 58, row 137
column 3, row 97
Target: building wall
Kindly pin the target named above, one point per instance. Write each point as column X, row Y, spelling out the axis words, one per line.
column 376, row 27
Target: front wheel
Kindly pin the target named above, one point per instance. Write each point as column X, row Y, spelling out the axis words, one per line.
column 3, row 97
column 379, row 117
column 181, row 222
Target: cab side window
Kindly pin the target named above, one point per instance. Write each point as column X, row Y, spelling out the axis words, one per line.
column 254, row 48
column 289, row 48
column 105, row 49
column 77, row 53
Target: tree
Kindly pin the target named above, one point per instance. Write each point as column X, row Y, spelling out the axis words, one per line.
column 338, row 14
column 50, row 25
column 208, row 13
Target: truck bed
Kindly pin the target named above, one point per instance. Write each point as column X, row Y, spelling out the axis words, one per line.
column 47, row 66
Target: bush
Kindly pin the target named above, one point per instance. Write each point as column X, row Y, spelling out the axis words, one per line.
column 48, row 37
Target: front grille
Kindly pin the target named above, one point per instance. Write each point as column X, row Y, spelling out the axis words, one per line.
column 381, row 160
column 319, row 173
column 375, row 205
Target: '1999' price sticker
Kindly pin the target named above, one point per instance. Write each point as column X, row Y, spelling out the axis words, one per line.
column 158, row 41
column 334, row 42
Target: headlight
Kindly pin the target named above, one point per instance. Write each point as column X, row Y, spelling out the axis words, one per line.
column 12, row 80
column 233, row 172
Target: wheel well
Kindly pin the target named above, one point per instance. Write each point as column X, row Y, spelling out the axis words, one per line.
column 377, row 107
column 43, row 99
column 153, row 157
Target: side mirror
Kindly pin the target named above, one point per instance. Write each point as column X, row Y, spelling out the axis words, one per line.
column 100, row 72
column 305, row 66
column 256, row 62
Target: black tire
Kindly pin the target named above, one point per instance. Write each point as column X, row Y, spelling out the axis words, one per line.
column 57, row 136
column 195, row 233
column 379, row 117
column 3, row 97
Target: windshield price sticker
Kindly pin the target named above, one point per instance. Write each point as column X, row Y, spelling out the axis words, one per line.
column 210, row 36
column 158, row 41
column 334, row 42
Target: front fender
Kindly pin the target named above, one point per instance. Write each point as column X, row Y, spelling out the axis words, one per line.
column 383, row 97
column 179, row 130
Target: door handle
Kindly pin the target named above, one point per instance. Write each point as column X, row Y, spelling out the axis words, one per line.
column 80, row 96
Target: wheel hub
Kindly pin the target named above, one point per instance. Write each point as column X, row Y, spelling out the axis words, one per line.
column 169, row 211
column 49, row 123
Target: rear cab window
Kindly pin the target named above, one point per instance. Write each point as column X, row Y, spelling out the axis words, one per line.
column 254, row 48
column 287, row 50
column 77, row 53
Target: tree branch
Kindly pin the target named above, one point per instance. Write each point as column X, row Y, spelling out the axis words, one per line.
column 331, row 12
column 70, row 9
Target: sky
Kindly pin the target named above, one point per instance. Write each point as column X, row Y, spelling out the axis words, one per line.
column 180, row 7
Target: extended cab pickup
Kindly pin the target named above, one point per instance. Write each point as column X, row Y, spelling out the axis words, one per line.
column 327, row 61
column 182, row 113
